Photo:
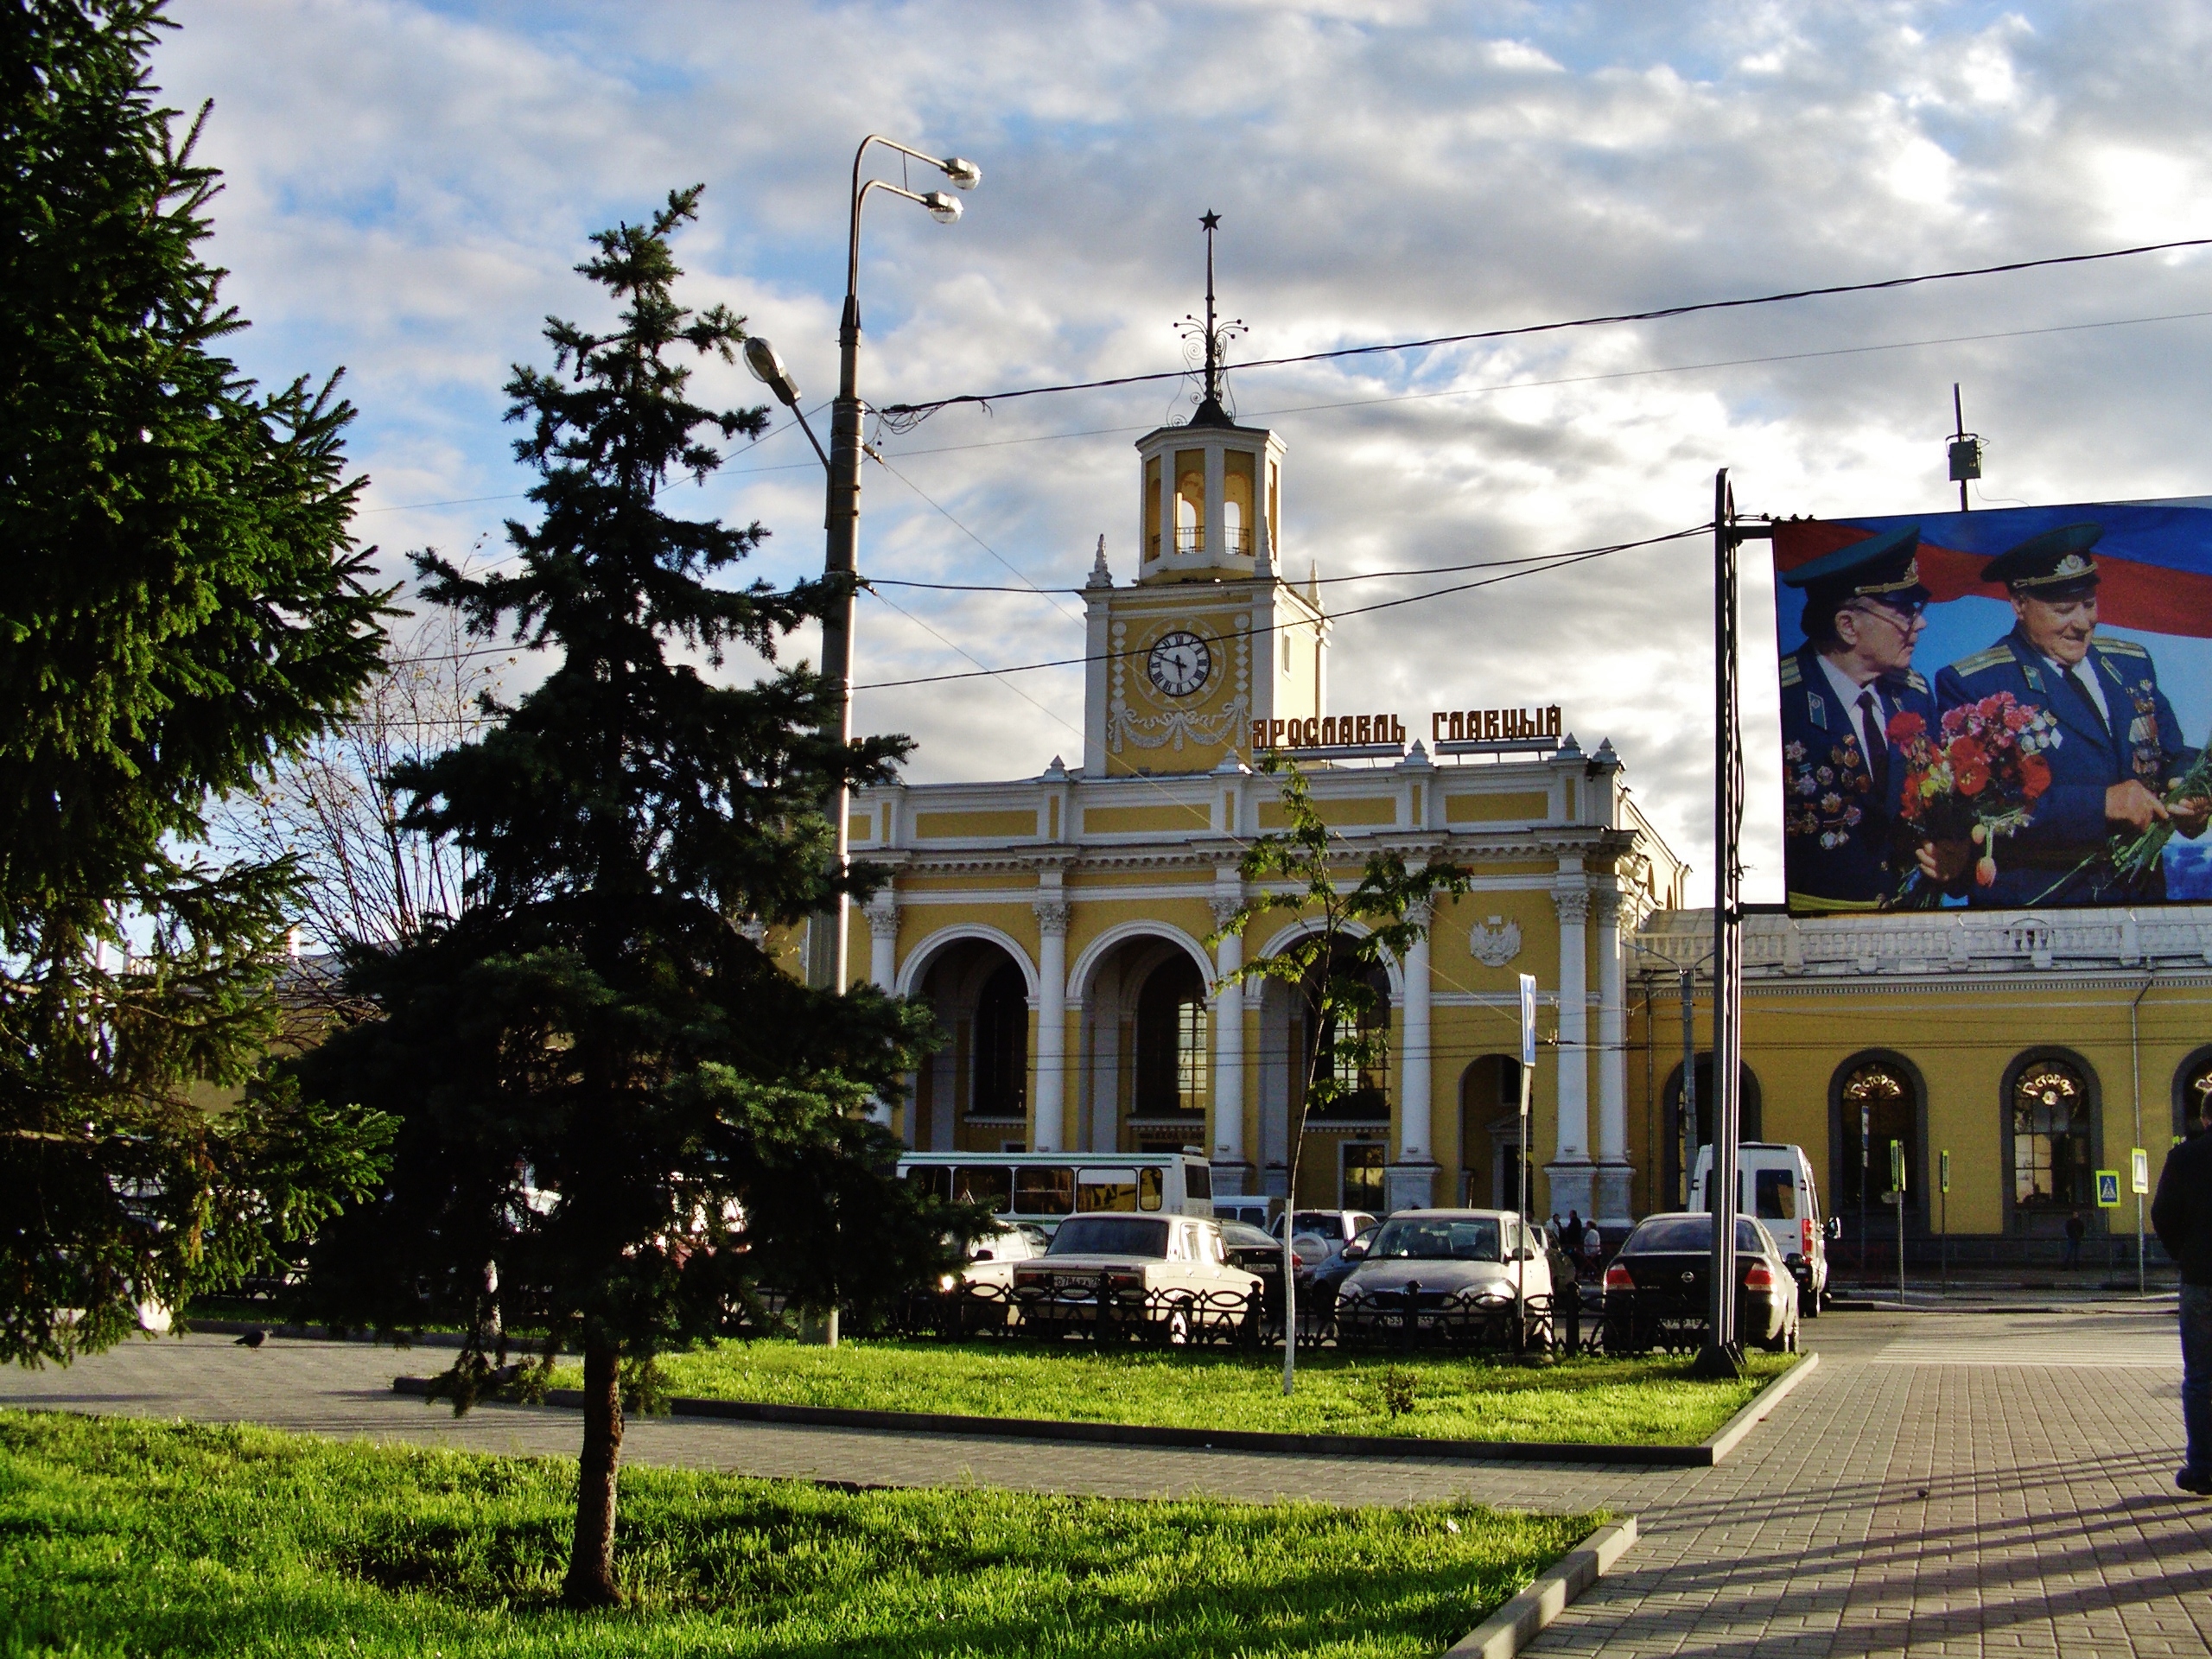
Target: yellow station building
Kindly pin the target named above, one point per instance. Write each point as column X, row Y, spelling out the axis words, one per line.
column 1061, row 926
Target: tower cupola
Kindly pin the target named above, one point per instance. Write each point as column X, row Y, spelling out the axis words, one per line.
column 1209, row 510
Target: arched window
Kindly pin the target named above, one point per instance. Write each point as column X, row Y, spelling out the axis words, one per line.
column 1001, row 1060
column 1173, row 1034
column 2192, row 1089
column 1749, row 1114
column 2052, row 1166
column 1876, row 1104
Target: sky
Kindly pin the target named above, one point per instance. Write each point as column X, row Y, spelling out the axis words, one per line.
column 410, row 187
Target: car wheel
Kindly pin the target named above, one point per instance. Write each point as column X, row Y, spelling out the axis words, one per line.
column 1810, row 1303
column 1616, row 1336
column 1175, row 1329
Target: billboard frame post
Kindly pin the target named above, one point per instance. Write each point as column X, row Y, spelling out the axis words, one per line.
column 1943, row 1198
column 1687, row 1129
column 1521, row 1171
column 1723, row 1354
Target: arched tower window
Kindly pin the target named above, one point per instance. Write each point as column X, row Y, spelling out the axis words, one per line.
column 1173, row 1035
column 1001, row 1047
column 2052, row 1163
column 1877, row 1104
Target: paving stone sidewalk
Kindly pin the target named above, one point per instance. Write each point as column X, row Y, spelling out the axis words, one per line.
column 1985, row 1484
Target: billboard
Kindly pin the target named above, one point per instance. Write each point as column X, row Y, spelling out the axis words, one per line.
column 2001, row 709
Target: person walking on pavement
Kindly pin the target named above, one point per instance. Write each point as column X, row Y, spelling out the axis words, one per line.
column 2182, row 1213
column 1593, row 1247
column 1573, row 1240
column 2076, row 1230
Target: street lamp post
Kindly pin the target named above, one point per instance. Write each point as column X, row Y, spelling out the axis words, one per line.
column 826, row 967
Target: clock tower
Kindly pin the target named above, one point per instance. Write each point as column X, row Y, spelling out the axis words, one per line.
column 1208, row 638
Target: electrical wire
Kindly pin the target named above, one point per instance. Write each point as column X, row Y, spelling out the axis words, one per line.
column 1553, row 562
column 902, row 417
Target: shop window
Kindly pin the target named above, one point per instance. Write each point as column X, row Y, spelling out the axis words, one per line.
column 2052, row 1166
column 1363, row 1182
column 1878, row 1104
column 1173, row 1035
column 1001, row 1056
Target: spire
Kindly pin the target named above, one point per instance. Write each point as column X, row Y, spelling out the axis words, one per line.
column 1099, row 575
column 1214, row 336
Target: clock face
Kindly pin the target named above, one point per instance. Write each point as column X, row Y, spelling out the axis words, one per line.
column 1179, row 664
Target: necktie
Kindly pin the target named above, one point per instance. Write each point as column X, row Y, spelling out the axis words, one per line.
column 1878, row 748
column 2077, row 676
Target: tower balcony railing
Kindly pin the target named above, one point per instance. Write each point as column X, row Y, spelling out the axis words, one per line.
column 1192, row 539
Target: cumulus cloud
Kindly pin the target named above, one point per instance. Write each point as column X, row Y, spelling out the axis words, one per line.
column 411, row 184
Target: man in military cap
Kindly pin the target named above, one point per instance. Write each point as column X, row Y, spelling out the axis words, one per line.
column 2119, row 745
column 1841, row 773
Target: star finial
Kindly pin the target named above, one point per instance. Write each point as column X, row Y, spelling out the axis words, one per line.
column 1211, row 219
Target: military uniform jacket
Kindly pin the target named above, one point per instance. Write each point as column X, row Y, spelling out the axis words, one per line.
column 2068, row 824
column 1839, row 845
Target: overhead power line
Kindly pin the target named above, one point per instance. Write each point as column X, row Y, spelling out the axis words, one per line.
column 902, row 417
column 1549, row 562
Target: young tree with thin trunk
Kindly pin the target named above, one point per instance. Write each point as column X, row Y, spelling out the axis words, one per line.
column 1331, row 965
column 611, row 1092
column 184, row 607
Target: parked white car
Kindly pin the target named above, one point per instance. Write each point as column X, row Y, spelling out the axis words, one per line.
column 1165, row 1277
column 1463, row 1269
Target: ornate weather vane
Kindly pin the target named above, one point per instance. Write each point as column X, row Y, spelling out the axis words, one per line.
column 1215, row 337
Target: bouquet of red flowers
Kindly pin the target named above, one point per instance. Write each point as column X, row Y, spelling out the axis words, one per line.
column 1975, row 780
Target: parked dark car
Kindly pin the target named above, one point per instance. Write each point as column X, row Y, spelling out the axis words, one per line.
column 1656, row 1286
column 1318, row 1286
column 1260, row 1255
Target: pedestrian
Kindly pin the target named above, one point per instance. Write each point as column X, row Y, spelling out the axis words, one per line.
column 1593, row 1247
column 1558, row 1232
column 1574, row 1235
column 2181, row 1212
column 2076, row 1230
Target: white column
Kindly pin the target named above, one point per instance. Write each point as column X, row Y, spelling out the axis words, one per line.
column 1614, row 1175
column 1410, row 1183
column 1050, row 1134
column 883, row 941
column 882, row 913
column 1572, row 1186
column 1227, row 1041
column 1414, row 1098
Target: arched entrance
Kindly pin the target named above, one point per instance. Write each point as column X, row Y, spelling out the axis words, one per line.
column 973, row 1094
column 1146, row 1060
column 1875, row 1098
column 1347, row 1145
column 2051, row 1134
column 1489, row 1134
column 1750, row 1117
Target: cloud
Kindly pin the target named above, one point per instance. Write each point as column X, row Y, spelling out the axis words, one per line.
column 409, row 185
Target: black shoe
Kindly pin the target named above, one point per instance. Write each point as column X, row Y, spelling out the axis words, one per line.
column 2190, row 1481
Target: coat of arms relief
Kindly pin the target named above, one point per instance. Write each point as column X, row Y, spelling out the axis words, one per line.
column 1496, row 942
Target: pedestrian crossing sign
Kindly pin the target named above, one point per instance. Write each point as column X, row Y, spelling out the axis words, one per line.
column 2139, row 1174
column 2107, row 1189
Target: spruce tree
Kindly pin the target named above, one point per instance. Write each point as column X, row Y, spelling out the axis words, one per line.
column 622, row 1118
column 183, row 607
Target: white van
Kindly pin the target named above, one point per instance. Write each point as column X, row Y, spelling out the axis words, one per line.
column 1774, row 1182
column 1044, row 1188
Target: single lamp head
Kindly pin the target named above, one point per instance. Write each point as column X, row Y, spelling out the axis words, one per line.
column 964, row 175
column 768, row 368
column 943, row 208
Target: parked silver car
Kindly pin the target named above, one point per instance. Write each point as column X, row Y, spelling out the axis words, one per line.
column 1455, row 1271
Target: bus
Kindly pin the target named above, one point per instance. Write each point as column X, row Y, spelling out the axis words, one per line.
column 1044, row 1188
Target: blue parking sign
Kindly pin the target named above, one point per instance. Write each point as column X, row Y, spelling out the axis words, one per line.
column 1528, row 1020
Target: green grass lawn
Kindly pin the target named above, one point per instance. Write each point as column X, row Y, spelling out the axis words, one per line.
column 1613, row 1401
column 122, row 1537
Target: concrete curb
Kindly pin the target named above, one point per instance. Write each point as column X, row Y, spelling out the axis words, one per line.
column 1702, row 1455
column 1755, row 1410
column 1512, row 1628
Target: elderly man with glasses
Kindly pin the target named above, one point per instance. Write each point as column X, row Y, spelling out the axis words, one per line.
column 1842, row 846
column 2119, row 748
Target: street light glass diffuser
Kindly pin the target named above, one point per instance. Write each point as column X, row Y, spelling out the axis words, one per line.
column 943, row 208
column 768, row 368
column 964, row 175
